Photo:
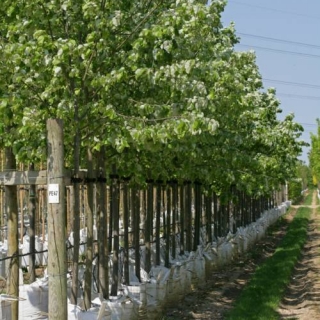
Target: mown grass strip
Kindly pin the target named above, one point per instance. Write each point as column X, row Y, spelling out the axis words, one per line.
column 308, row 199
column 261, row 297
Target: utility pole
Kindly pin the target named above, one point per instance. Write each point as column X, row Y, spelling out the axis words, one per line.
column 57, row 257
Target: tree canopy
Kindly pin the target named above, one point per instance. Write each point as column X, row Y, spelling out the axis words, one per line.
column 158, row 84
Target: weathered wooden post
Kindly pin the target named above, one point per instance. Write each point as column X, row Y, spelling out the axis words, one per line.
column 57, row 258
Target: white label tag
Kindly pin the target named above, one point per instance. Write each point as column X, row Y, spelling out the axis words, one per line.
column 53, row 193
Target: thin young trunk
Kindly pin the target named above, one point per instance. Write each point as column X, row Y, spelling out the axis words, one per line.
column 208, row 203
column 215, row 214
column 11, row 206
column 188, row 216
column 164, row 217
column 110, row 220
column 103, row 235
column 197, row 219
column 89, row 252
column 126, row 232
column 148, row 226
column 115, row 213
column 158, row 220
column 76, row 216
column 136, row 231
column 32, row 215
column 168, row 228
column 174, row 216
column 182, row 224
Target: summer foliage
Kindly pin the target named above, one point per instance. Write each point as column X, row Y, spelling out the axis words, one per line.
column 157, row 83
column 314, row 156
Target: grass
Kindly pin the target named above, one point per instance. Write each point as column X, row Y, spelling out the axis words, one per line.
column 261, row 297
column 308, row 199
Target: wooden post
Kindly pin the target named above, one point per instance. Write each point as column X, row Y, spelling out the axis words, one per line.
column 13, row 244
column 57, row 258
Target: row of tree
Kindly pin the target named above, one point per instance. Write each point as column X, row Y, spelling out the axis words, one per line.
column 147, row 89
column 156, row 84
column 314, row 156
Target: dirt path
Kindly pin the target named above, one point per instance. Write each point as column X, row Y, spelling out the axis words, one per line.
column 302, row 297
column 223, row 288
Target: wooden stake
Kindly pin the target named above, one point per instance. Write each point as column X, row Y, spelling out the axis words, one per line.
column 57, row 258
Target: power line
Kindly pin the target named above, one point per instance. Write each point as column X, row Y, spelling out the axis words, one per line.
column 280, row 40
column 289, row 83
column 275, row 10
column 282, row 51
column 309, row 124
column 289, row 95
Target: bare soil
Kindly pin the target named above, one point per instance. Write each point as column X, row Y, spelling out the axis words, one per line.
column 301, row 300
column 302, row 297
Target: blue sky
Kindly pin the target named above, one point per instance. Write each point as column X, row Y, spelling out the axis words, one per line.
column 286, row 38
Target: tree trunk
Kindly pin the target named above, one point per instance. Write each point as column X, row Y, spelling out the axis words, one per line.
column 182, row 213
column 32, row 215
column 174, row 217
column 102, row 231
column 11, row 206
column 158, row 220
column 197, row 219
column 168, row 228
column 126, row 232
column 76, row 213
column 208, row 202
column 136, row 230
column 89, row 252
column 115, row 257
column 148, row 226
column 188, row 219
